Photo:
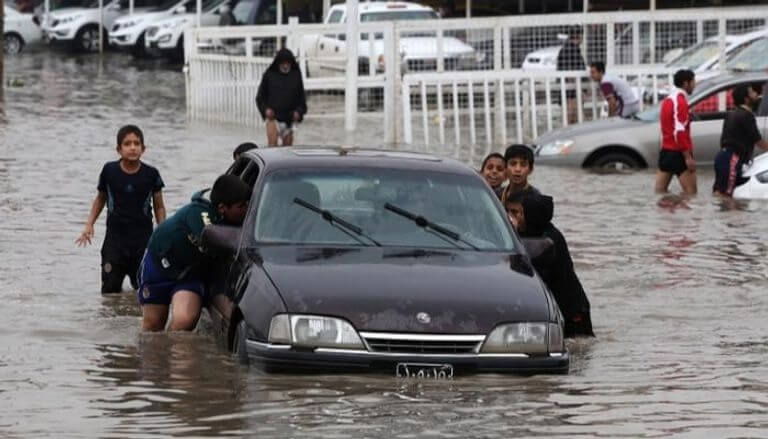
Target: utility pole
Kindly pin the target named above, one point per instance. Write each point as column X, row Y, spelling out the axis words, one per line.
column 2, row 54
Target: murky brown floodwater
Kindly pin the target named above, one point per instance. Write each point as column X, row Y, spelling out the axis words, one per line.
column 679, row 300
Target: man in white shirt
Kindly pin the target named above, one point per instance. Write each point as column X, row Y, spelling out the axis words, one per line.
column 621, row 99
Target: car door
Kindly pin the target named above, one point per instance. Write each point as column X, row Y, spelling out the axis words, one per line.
column 707, row 115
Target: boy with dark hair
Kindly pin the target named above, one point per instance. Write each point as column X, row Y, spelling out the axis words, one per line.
column 173, row 268
column 242, row 149
column 281, row 98
column 531, row 214
column 622, row 101
column 130, row 189
column 519, row 160
column 676, row 153
column 738, row 140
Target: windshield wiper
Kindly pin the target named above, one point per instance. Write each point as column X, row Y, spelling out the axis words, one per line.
column 350, row 229
column 430, row 226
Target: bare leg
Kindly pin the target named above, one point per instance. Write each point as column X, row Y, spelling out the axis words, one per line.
column 688, row 182
column 662, row 182
column 185, row 310
column 272, row 132
column 288, row 138
column 154, row 317
column 572, row 115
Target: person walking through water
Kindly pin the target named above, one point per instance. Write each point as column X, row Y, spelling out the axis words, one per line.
column 281, row 99
column 676, row 153
column 569, row 59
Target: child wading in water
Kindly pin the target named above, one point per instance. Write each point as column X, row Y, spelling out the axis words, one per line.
column 130, row 189
column 494, row 172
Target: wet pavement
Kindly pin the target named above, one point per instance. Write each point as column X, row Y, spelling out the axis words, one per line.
column 678, row 297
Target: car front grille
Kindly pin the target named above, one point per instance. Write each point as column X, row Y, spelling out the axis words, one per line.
column 400, row 343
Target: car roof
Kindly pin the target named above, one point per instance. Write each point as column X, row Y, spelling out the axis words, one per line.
column 276, row 158
column 725, row 79
column 385, row 6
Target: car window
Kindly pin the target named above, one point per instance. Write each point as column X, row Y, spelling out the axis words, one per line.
column 752, row 57
column 251, row 173
column 242, row 10
column 460, row 203
column 239, row 166
column 710, row 106
column 335, row 16
column 696, row 56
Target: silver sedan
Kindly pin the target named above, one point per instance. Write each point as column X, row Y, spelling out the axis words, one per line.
column 634, row 143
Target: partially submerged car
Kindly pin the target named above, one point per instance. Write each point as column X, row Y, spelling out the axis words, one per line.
column 634, row 143
column 19, row 30
column 167, row 36
column 353, row 259
column 129, row 31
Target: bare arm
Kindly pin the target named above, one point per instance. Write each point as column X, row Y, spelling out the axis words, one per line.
column 159, row 204
column 96, row 208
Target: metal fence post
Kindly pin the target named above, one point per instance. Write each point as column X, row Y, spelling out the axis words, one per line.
column 392, row 84
column 350, row 90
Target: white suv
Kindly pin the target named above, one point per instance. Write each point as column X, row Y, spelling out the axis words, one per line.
column 129, row 31
column 326, row 55
column 79, row 26
column 167, row 35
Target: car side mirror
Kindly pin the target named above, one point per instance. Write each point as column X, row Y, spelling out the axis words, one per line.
column 222, row 238
column 540, row 250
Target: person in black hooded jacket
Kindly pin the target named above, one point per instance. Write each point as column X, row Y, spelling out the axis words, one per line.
column 281, row 99
column 531, row 214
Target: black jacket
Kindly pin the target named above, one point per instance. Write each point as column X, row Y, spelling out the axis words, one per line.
column 283, row 93
column 557, row 271
column 569, row 58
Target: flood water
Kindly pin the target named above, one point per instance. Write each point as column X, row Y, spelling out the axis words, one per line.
column 678, row 299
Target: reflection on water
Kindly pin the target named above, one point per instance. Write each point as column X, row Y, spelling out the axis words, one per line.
column 677, row 290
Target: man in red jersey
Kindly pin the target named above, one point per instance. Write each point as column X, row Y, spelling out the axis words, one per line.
column 676, row 154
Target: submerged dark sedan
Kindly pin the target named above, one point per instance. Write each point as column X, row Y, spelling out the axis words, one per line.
column 374, row 260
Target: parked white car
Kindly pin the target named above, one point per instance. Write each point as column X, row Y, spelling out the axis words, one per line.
column 167, row 35
column 19, row 31
column 542, row 60
column 326, row 54
column 79, row 27
column 129, row 32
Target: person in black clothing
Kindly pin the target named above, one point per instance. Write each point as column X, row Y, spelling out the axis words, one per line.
column 281, row 98
column 129, row 188
column 740, row 134
column 569, row 59
column 531, row 214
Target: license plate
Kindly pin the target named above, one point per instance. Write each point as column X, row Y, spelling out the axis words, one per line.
column 425, row 371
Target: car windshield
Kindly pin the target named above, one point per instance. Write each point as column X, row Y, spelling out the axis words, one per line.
column 166, row 5
column 364, row 198
column 694, row 57
column 751, row 57
column 397, row 15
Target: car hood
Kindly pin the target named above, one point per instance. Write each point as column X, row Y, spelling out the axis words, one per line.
column 551, row 52
column 144, row 16
column 66, row 12
column 383, row 289
column 571, row 132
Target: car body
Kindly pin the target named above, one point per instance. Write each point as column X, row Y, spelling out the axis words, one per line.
column 634, row 143
column 326, row 54
column 166, row 36
column 542, row 60
column 756, row 186
column 391, row 293
column 128, row 32
column 751, row 58
column 19, row 30
column 79, row 26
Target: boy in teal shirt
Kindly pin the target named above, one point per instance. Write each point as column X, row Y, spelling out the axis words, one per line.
column 172, row 272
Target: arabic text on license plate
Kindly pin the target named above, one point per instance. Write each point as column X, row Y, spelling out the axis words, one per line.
column 424, row 371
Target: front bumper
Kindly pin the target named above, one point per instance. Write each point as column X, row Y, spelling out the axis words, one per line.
column 58, row 34
column 282, row 358
column 123, row 39
column 574, row 159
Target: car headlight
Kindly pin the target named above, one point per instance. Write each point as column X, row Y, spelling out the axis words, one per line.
column 762, row 177
column 313, row 332
column 165, row 38
column 523, row 338
column 556, row 147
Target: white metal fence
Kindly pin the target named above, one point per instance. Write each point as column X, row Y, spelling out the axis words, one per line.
column 459, row 81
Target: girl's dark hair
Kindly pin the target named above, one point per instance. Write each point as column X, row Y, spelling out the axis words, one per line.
column 129, row 129
column 493, row 155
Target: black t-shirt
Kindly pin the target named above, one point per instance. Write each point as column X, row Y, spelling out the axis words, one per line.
column 740, row 133
column 129, row 199
column 569, row 58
